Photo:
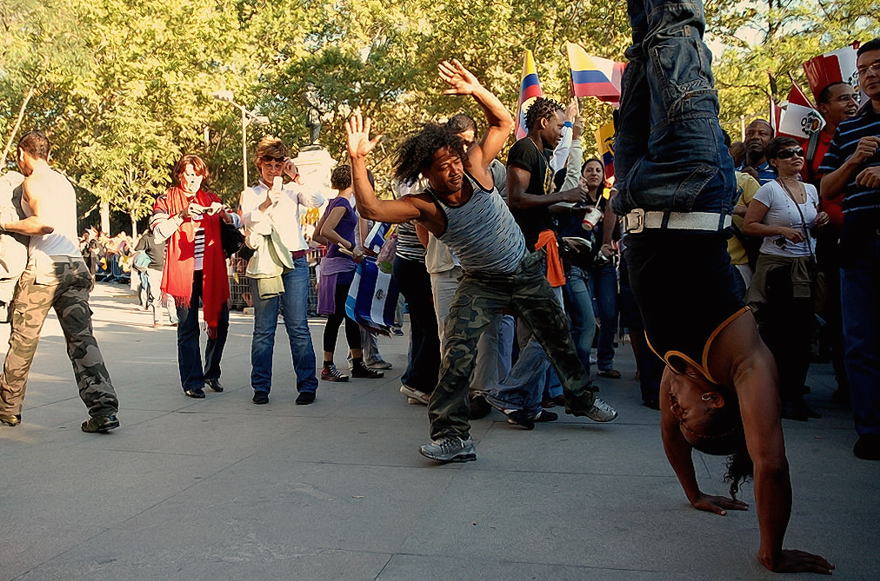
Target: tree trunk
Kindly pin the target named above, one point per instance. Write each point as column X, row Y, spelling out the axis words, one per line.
column 134, row 225
column 105, row 218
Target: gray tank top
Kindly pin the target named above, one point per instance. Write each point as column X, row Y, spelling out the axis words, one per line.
column 482, row 232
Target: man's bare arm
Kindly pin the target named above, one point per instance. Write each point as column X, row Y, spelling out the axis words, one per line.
column 517, row 197
column 31, row 226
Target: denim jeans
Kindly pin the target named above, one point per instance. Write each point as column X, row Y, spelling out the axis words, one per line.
column 579, row 307
column 189, row 357
column 859, row 289
column 423, row 363
column 604, row 290
column 292, row 305
column 670, row 154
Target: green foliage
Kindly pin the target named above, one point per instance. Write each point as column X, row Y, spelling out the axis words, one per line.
column 123, row 87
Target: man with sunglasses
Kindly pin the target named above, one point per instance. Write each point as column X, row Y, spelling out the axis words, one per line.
column 852, row 168
column 275, row 212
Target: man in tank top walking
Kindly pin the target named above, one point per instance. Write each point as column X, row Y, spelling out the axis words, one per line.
column 463, row 209
column 56, row 277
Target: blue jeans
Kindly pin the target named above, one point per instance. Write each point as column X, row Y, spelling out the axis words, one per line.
column 670, row 154
column 293, row 307
column 189, row 358
column 859, row 289
column 603, row 287
column 579, row 307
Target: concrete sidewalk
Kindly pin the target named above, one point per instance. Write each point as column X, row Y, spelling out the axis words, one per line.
column 221, row 489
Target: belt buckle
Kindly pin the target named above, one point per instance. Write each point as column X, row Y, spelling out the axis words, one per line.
column 638, row 216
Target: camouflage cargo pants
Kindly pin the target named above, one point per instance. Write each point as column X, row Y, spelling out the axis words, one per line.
column 68, row 293
column 478, row 300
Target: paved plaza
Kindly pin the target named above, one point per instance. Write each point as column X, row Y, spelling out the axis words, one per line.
column 219, row 488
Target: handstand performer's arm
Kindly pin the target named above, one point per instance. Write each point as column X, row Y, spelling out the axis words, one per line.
column 752, row 371
column 357, row 130
column 480, row 155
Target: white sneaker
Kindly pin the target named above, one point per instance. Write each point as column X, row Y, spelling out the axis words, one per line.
column 450, row 449
column 601, row 411
column 411, row 393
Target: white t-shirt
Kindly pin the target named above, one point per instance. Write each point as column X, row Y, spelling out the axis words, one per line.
column 782, row 211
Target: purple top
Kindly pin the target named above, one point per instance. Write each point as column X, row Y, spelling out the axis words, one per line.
column 346, row 226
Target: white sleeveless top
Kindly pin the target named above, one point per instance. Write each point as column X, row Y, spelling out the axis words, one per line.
column 58, row 210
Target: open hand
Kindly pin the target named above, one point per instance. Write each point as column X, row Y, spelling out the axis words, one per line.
column 460, row 80
column 792, row 561
column 357, row 131
column 291, row 170
column 718, row 504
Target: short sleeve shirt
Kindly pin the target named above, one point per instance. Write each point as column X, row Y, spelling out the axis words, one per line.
column 782, row 211
column 525, row 155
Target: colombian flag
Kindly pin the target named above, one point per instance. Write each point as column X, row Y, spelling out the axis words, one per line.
column 530, row 89
column 605, row 147
column 593, row 76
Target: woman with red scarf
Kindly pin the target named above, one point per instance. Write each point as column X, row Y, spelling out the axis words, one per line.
column 188, row 217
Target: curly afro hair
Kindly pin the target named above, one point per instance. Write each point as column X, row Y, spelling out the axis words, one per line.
column 542, row 108
column 416, row 154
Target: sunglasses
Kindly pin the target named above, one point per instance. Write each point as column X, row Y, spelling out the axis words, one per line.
column 787, row 153
column 268, row 158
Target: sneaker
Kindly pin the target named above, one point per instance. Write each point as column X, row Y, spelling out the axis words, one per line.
column 519, row 418
column 260, row 397
column 600, row 411
column 305, row 398
column 478, row 407
column 867, row 447
column 413, row 393
column 331, row 373
column 450, row 449
column 545, row 416
column 379, row 364
column 359, row 370
column 102, row 424
column 10, row 419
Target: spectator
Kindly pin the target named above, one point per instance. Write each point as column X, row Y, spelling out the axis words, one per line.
column 852, row 168
column 784, row 211
column 188, row 218
column 758, row 135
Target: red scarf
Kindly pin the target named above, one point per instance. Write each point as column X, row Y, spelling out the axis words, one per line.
column 177, row 278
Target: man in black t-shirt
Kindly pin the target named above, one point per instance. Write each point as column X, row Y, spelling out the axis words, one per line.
column 529, row 176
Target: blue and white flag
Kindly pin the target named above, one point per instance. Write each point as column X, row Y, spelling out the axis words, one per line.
column 372, row 298
column 378, row 235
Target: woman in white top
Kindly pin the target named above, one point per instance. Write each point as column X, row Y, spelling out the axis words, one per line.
column 785, row 212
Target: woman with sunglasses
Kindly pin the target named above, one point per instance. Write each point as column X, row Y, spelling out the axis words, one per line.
column 785, row 212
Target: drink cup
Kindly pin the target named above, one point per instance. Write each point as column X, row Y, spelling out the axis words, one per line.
column 591, row 219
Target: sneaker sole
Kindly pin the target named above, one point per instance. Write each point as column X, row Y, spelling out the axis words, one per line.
column 457, row 458
column 583, row 414
column 412, row 394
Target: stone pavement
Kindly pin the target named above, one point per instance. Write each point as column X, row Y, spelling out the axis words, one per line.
column 221, row 489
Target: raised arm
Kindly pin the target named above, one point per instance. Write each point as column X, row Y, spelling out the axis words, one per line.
column 462, row 82
column 357, row 130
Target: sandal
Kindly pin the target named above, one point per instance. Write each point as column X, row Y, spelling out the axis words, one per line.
column 609, row 373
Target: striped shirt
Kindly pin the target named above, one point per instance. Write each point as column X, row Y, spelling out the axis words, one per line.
column 482, row 232
column 408, row 244
column 860, row 204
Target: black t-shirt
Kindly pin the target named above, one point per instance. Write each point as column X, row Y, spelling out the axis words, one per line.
column 525, row 155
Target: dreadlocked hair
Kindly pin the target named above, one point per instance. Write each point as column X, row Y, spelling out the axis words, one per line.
column 416, row 154
column 725, row 437
column 542, row 108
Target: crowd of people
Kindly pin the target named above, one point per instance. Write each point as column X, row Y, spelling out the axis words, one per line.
column 719, row 258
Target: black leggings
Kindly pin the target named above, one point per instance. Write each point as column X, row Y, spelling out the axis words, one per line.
column 331, row 328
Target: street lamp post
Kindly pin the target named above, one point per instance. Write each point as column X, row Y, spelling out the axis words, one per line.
column 247, row 117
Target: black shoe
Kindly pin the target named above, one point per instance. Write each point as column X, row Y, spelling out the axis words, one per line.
column 10, row 420
column 479, row 407
column 792, row 411
column 195, row 393
column 867, row 447
column 261, row 397
column 358, row 369
column 214, row 384
column 520, row 418
column 545, row 416
column 100, row 424
column 305, row 398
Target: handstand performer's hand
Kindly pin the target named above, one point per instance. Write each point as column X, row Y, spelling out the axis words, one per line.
column 793, row 561
column 460, row 80
column 357, row 131
column 718, row 504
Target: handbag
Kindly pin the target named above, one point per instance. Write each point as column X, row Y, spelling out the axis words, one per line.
column 141, row 261
column 231, row 238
